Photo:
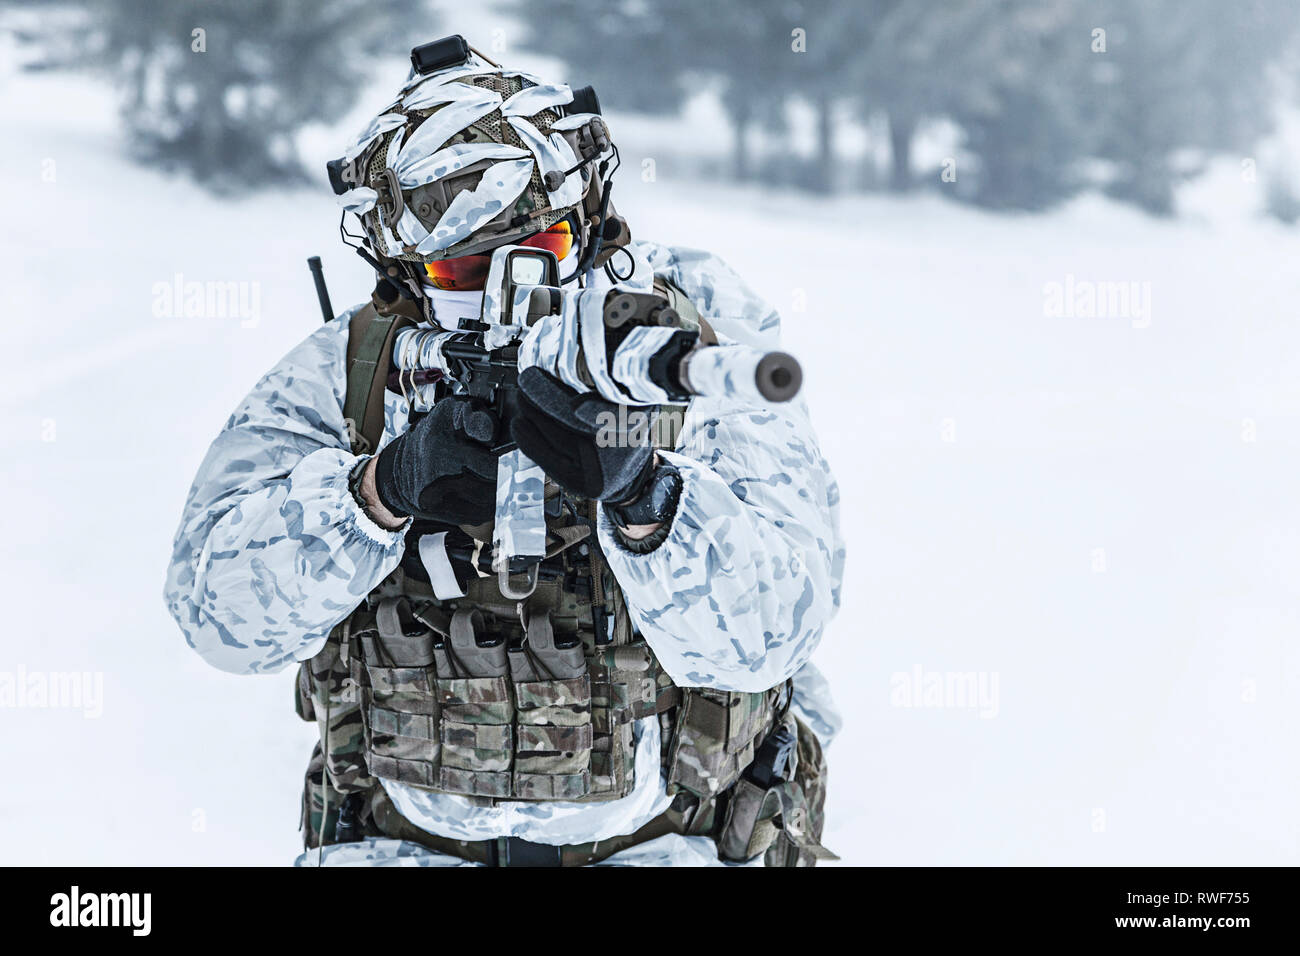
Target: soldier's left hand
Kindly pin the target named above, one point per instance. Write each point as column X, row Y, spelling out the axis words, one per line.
column 586, row 443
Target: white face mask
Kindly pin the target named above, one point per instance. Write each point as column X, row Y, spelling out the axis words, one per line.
column 450, row 307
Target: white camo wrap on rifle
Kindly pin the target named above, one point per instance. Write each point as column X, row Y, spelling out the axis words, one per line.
column 632, row 363
column 520, row 528
column 726, row 370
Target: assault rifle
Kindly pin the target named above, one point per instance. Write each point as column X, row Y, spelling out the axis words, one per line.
column 631, row 347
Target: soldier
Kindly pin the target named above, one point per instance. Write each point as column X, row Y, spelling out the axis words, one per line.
column 650, row 700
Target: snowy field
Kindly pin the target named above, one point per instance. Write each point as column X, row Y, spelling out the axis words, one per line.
column 1090, row 519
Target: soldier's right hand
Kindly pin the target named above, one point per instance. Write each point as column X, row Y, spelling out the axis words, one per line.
column 443, row 468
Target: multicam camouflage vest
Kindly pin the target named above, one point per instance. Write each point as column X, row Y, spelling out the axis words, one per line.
column 496, row 699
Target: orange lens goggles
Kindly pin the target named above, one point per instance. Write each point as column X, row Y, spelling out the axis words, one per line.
column 469, row 273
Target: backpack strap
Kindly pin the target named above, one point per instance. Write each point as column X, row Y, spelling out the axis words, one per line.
column 370, row 351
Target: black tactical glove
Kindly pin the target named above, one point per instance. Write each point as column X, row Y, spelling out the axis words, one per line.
column 443, row 468
column 577, row 439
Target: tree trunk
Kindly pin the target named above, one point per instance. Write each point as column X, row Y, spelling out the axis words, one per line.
column 901, row 131
column 740, row 116
column 825, row 144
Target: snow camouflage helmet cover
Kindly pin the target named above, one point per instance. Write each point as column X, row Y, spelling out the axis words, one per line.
column 459, row 162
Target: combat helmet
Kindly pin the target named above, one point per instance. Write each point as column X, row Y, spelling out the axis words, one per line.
column 471, row 156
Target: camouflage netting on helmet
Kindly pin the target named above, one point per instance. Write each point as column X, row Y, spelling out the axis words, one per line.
column 456, row 164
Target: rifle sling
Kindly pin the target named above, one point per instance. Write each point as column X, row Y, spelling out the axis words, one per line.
column 370, row 349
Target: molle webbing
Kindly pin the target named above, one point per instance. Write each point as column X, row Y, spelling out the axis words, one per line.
column 500, row 709
column 456, row 700
column 479, row 697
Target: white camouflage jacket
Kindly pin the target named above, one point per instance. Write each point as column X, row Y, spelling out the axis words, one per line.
column 272, row 551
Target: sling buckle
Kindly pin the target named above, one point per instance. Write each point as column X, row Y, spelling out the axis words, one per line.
column 512, row 851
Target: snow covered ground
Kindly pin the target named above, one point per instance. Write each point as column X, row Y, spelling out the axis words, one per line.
column 1089, row 520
